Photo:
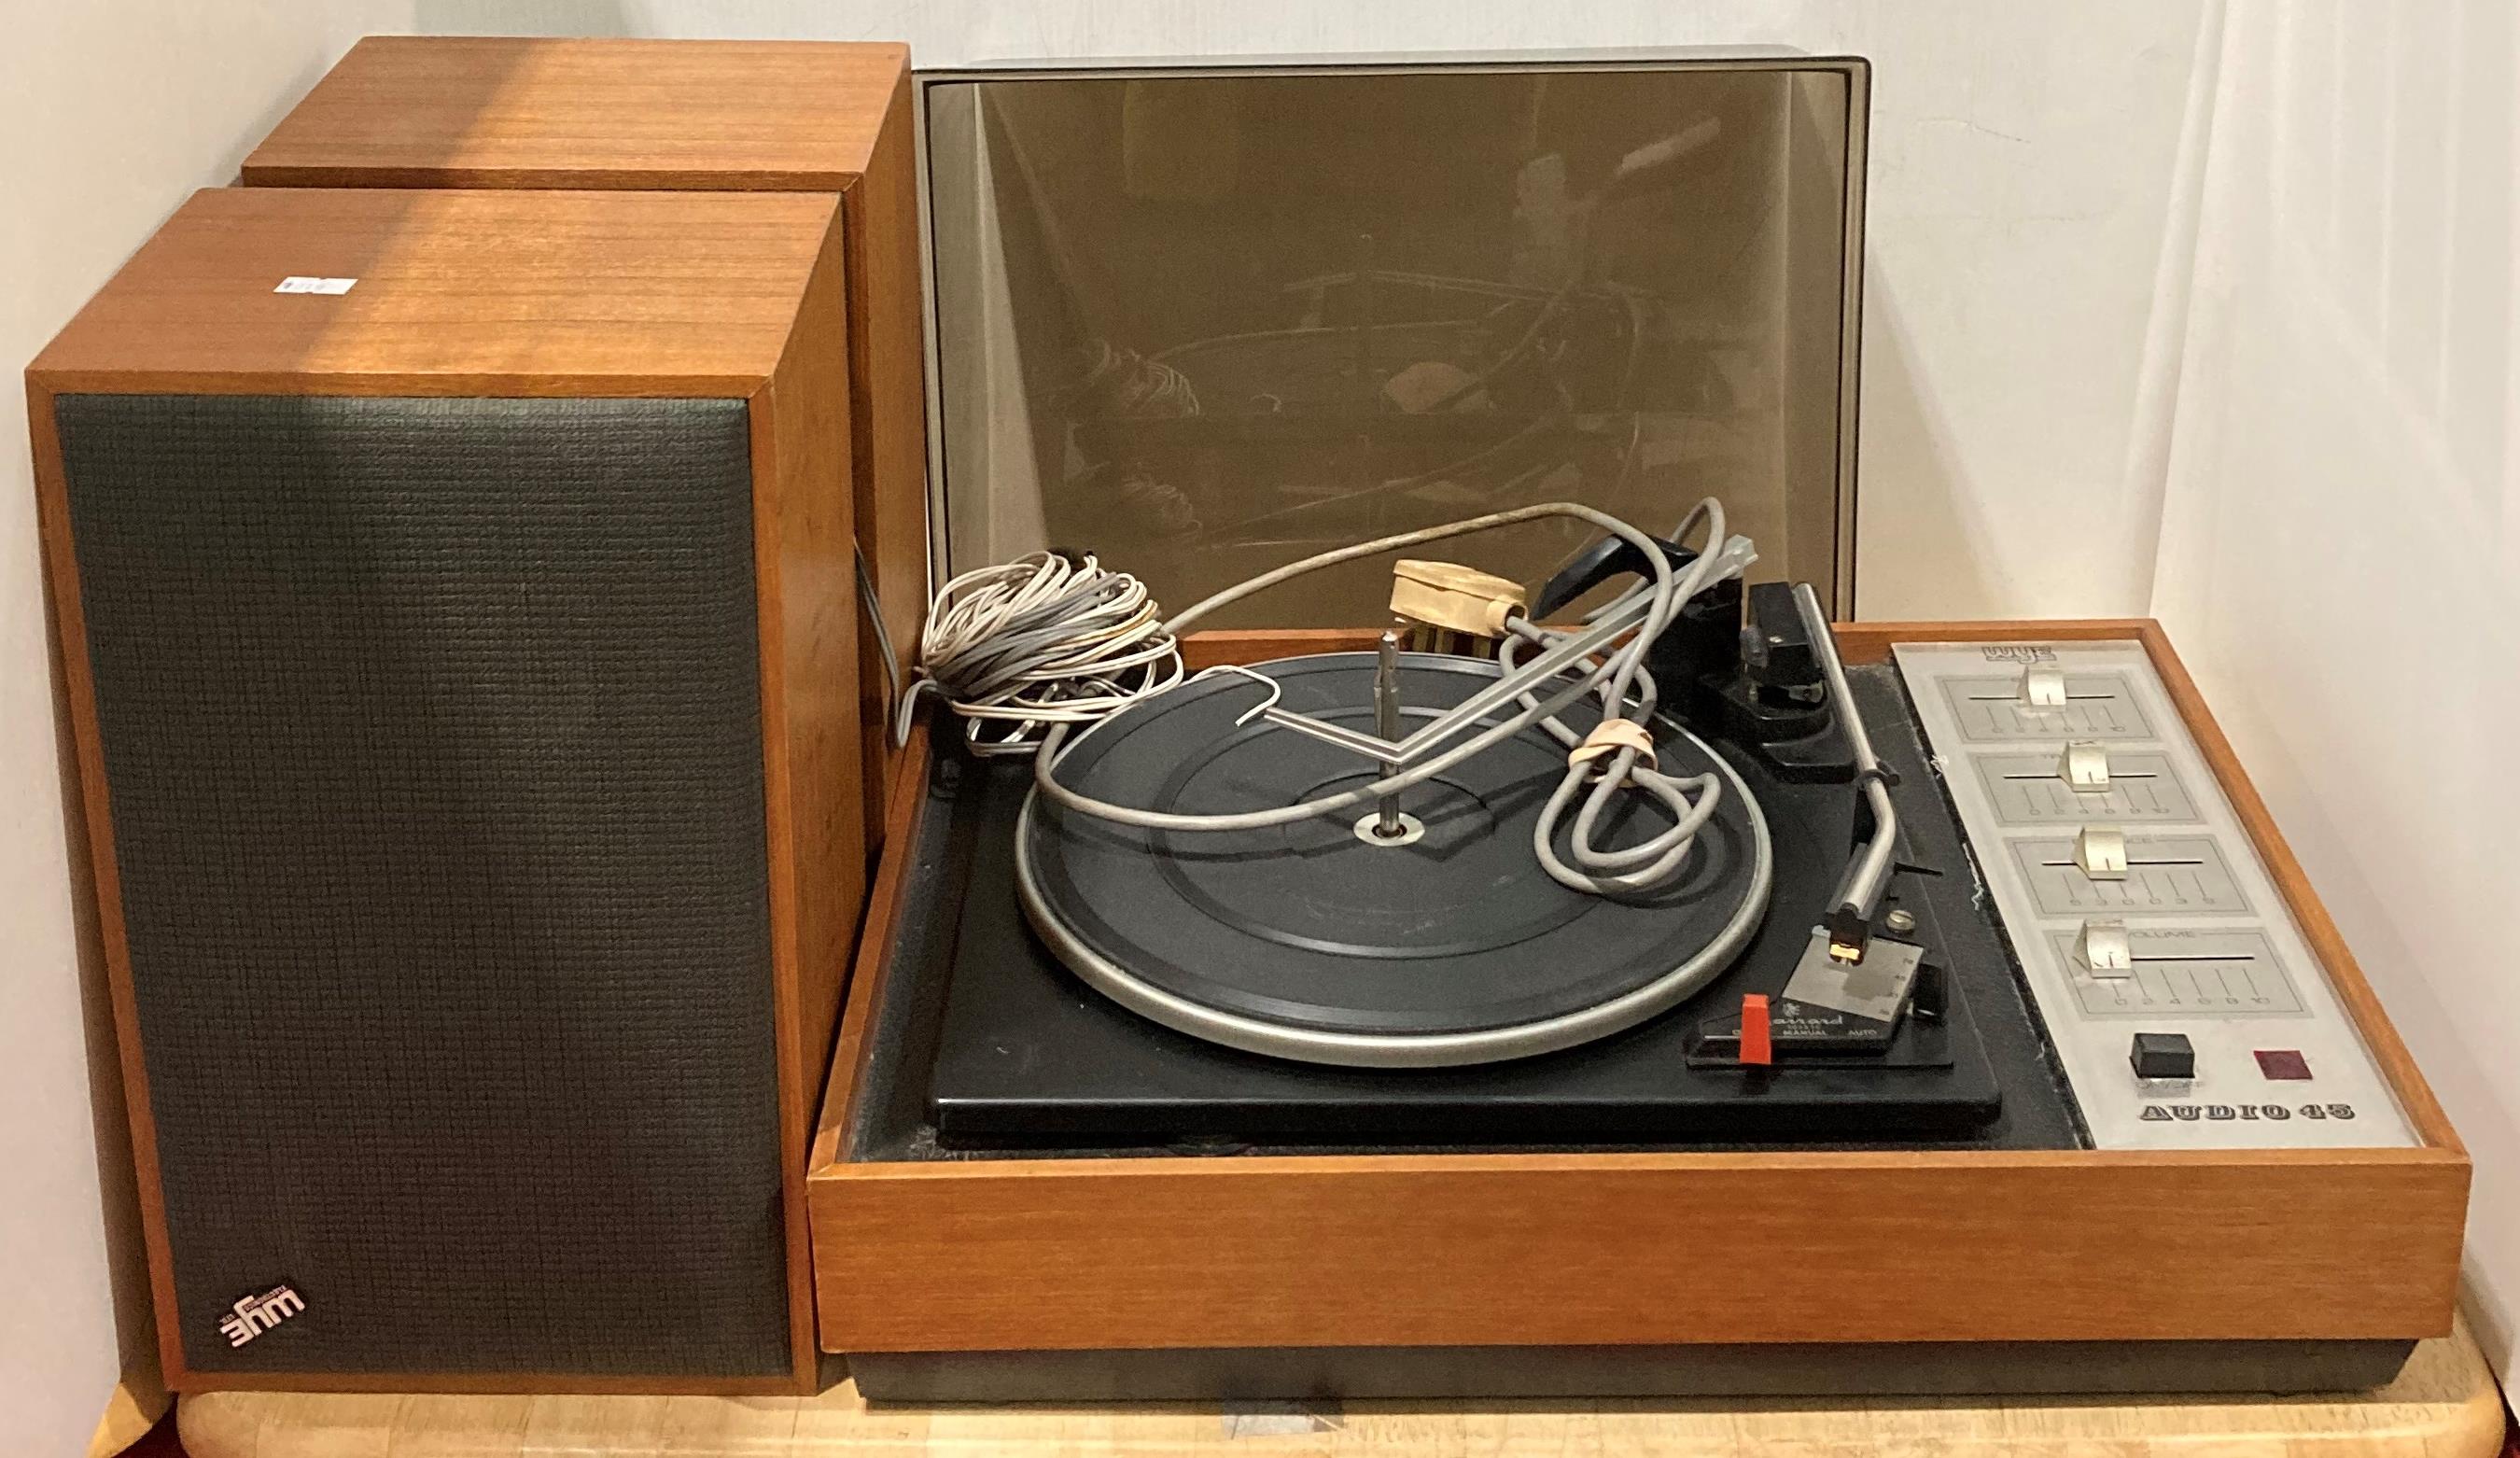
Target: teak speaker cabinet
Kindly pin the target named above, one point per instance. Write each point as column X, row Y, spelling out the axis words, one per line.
column 1546, row 1249
column 532, row 297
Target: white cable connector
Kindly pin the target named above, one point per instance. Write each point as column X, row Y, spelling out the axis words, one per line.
column 1458, row 599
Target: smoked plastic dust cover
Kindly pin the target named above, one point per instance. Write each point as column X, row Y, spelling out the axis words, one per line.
column 1206, row 320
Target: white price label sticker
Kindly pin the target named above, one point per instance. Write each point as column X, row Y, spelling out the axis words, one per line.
column 300, row 284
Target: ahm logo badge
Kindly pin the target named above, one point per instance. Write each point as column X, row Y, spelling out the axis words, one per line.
column 254, row 1316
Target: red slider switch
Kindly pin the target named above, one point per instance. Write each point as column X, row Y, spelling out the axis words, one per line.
column 1756, row 1045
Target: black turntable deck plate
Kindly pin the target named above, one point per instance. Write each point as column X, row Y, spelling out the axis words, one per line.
column 1027, row 1056
column 1313, row 932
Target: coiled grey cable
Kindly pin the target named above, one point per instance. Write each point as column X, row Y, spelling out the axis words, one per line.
column 1614, row 678
column 1038, row 644
column 1659, row 858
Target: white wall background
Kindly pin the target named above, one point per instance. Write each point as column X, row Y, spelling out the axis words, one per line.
column 2340, row 536
column 114, row 110
column 2315, row 447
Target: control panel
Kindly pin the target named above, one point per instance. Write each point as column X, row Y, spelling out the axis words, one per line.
column 2184, row 1002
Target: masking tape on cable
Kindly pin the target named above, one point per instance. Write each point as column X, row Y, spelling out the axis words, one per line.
column 1614, row 734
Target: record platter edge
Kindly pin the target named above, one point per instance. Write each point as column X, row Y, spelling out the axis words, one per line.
column 1258, row 939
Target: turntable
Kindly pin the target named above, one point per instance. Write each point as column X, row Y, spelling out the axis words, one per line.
column 1416, row 931
column 1596, row 972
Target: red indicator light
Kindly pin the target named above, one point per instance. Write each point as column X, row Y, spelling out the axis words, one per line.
column 2285, row 1063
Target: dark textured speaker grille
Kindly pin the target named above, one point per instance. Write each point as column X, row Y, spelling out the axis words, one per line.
column 433, row 734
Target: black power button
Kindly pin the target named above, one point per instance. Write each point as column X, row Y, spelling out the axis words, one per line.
column 2163, row 1055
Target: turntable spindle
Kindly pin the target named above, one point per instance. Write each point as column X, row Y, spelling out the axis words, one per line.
column 1386, row 724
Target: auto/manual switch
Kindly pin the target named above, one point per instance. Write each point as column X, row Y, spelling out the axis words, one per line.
column 2163, row 1055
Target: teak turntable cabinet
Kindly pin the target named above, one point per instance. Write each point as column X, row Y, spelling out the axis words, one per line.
column 1757, row 1270
column 2217, row 1222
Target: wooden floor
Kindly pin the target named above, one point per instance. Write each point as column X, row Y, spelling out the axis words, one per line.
column 2444, row 1405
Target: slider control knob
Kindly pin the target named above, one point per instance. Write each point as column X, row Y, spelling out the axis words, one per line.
column 2042, row 687
column 2084, row 766
column 2103, row 945
column 2100, row 850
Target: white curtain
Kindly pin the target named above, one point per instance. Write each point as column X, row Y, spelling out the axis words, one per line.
column 2339, row 507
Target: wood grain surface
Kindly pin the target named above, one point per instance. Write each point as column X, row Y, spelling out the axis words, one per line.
column 889, row 408
column 1445, row 1249
column 460, row 294
column 1470, row 1250
column 869, row 963
column 2443, row 1405
column 531, row 112
column 815, row 776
